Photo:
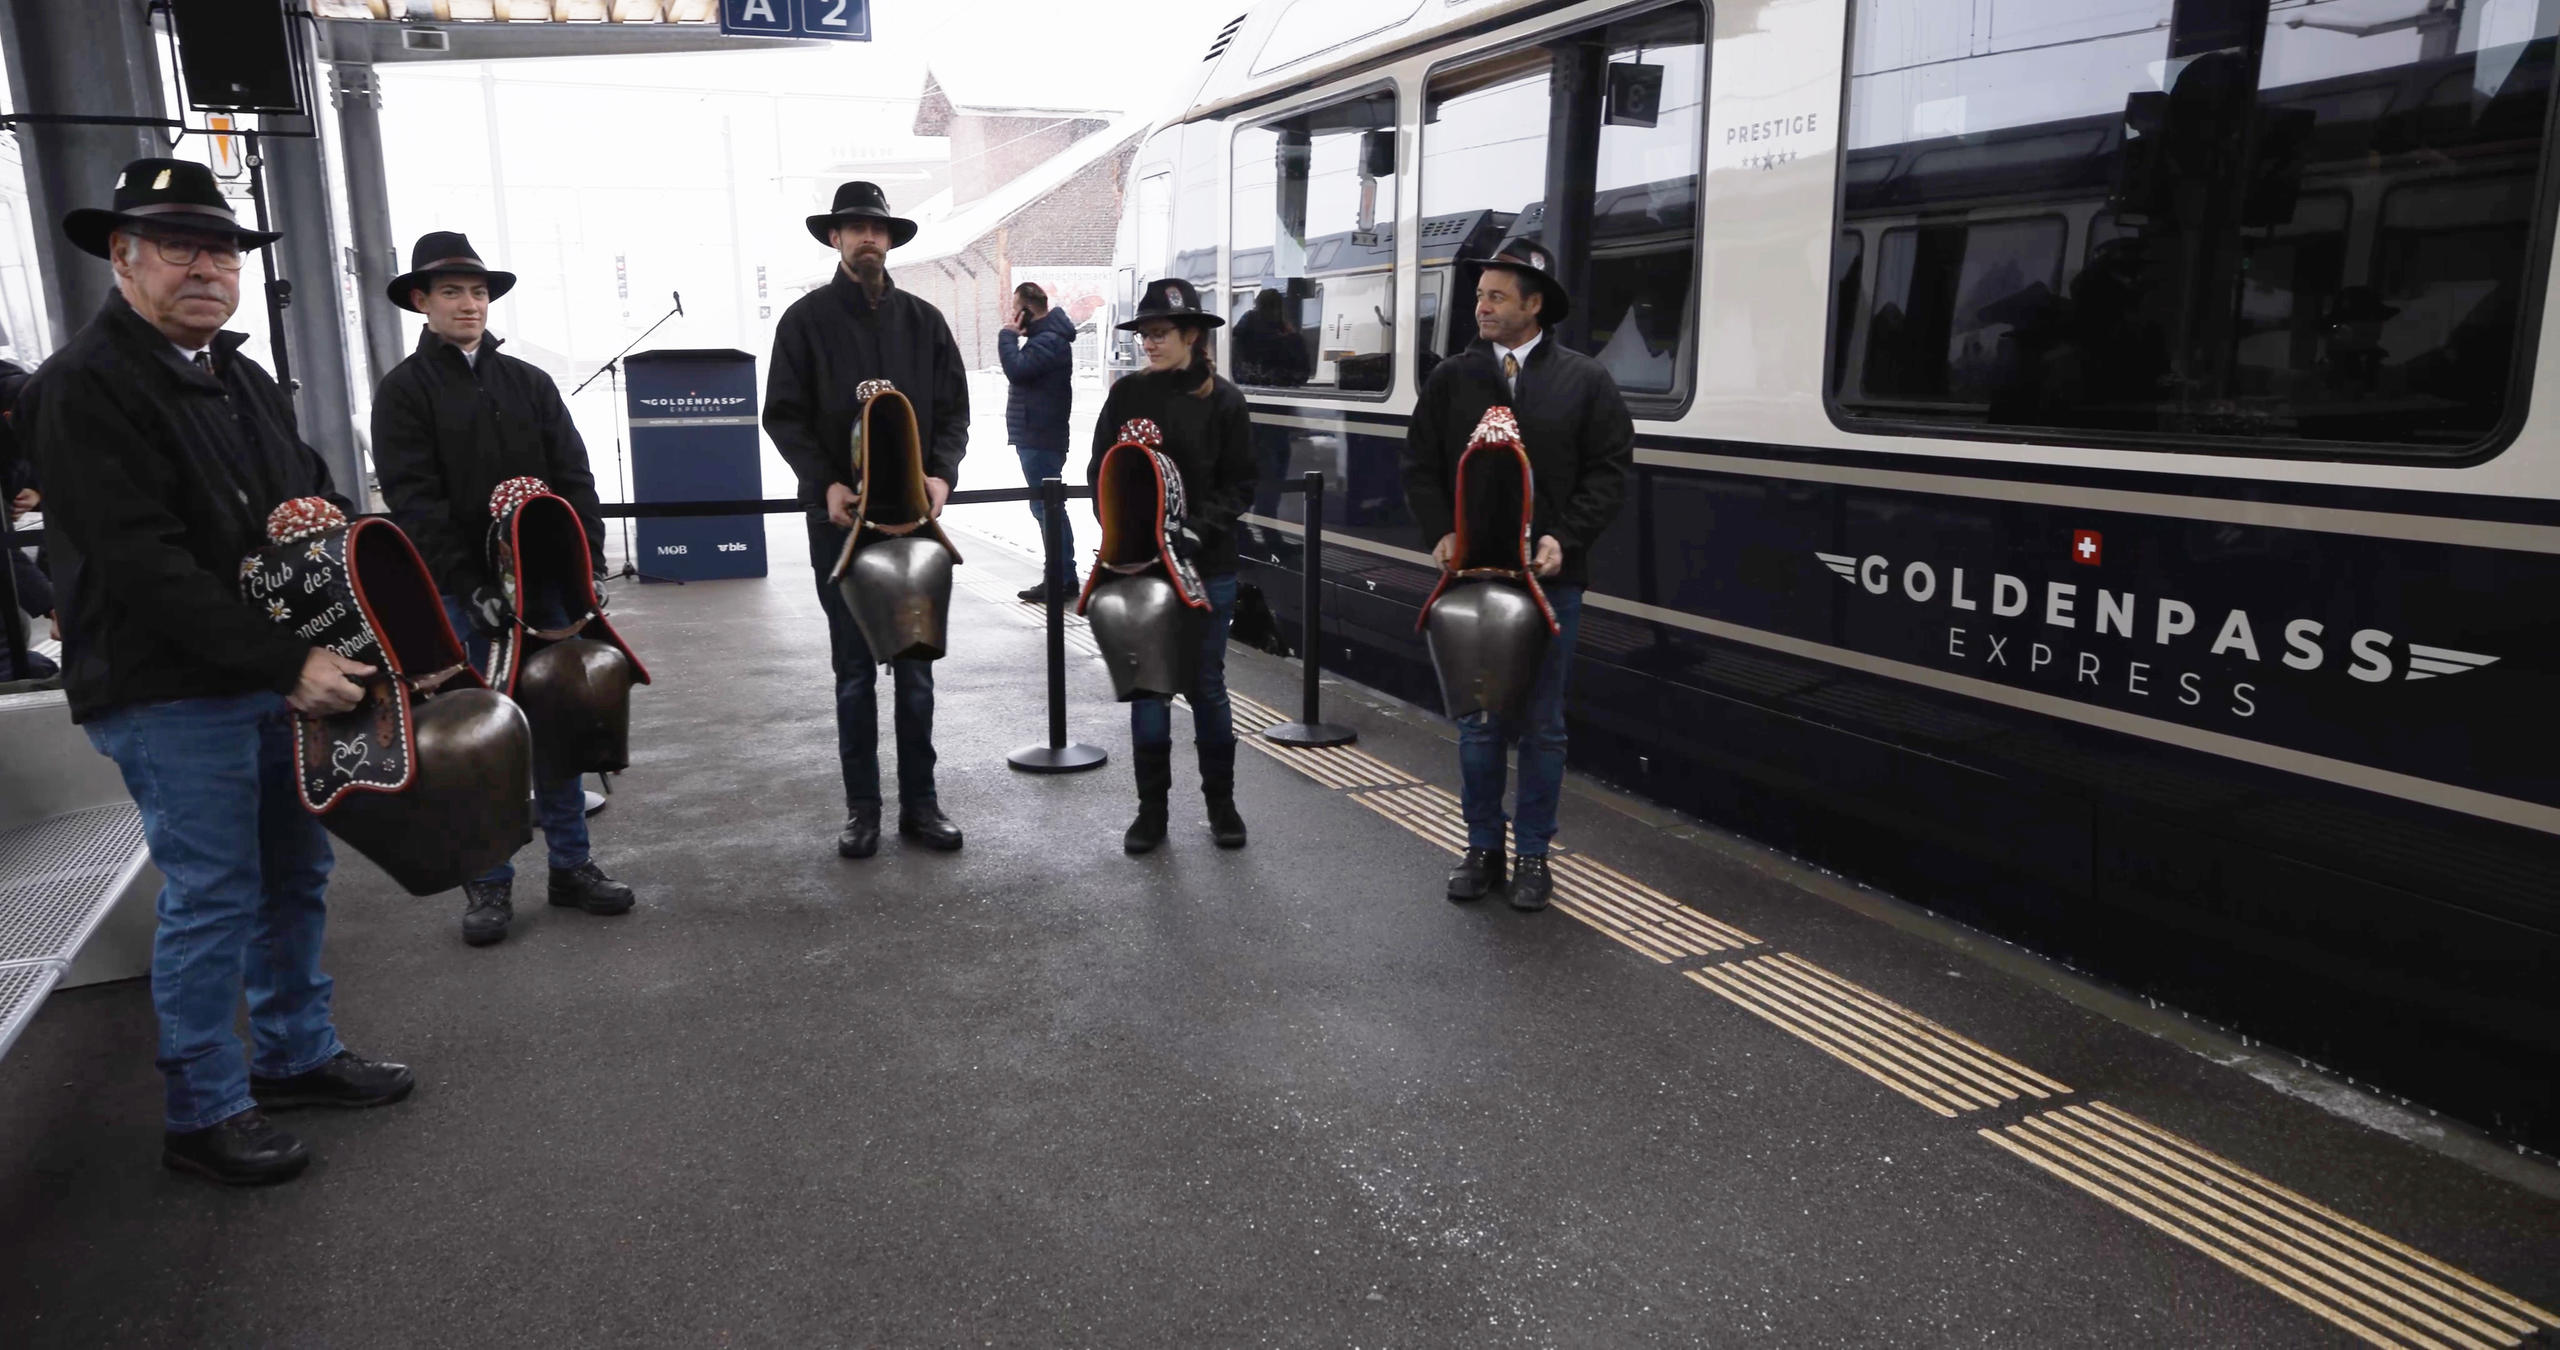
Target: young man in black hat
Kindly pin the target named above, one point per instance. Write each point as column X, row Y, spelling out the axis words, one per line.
column 163, row 448
column 861, row 327
column 1574, row 424
column 453, row 420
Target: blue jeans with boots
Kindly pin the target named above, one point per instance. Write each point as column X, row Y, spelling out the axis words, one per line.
column 559, row 808
column 1037, row 465
column 858, row 698
column 243, row 910
column 1482, row 745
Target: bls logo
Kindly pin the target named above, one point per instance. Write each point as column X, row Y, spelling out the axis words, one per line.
column 733, row 548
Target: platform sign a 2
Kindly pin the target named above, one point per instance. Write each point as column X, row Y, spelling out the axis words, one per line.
column 839, row 20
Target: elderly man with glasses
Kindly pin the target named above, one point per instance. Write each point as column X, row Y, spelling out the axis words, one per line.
column 163, row 448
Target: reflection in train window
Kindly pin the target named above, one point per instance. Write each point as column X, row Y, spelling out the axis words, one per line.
column 2225, row 223
column 1313, row 235
column 1607, row 122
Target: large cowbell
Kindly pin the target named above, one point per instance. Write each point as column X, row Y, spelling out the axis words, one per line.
column 561, row 659
column 1487, row 638
column 1487, row 623
column 897, row 586
column 1140, row 597
column 1145, row 634
column 428, row 775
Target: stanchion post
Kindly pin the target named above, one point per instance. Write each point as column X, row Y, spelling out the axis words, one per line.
column 1311, row 730
column 1057, row 756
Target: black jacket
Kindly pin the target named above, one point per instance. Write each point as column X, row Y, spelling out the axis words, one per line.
column 1573, row 421
column 158, row 480
column 447, row 431
column 1209, row 439
column 1041, row 366
column 833, row 339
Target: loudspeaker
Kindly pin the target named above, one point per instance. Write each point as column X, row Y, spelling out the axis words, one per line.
column 236, row 57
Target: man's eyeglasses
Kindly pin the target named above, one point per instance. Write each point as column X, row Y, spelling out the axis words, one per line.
column 183, row 252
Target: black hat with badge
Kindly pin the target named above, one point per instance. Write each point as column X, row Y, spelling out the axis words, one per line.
column 1171, row 298
column 171, row 194
column 1530, row 260
column 859, row 200
column 436, row 254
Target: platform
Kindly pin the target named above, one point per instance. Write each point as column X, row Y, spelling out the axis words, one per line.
column 1039, row 1093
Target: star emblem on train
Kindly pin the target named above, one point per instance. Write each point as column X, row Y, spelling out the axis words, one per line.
column 2076, row 613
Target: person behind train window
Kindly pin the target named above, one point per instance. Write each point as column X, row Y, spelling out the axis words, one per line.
column 1208, row 435
column 452, row 421
column 1580, row 440
column 861, row 327
column 163, row 448
column 1269, row 350
column 1038, row 351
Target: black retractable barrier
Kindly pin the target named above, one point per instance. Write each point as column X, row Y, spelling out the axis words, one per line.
column 1058, row 756
column 1311, row 730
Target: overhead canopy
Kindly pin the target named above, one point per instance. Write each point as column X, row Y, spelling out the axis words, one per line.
column 385, row 31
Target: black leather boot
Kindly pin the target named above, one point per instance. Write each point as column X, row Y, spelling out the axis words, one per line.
column 925, row 823
column 1155, row 784
column 1218, row 785
column 243, row 1151
column 861, row 835
column 1531, row 883
column 1479, row 874
column 348, row 1081
column 586, row 887
column 487, row 909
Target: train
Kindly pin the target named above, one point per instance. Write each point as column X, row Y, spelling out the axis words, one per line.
column 2095, row 477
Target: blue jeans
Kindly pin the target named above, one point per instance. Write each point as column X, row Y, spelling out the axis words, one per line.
column 1036, row 465
column 858, row 699
column 1213, row 720
column 247, row 870
column 560, row 808
column 1480, row 749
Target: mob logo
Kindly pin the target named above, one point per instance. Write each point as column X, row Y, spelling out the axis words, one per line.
column 2085, row 545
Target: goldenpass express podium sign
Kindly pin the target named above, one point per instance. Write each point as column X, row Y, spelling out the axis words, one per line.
column 694, row 439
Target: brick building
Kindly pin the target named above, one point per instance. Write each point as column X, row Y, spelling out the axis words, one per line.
column 1033, row 194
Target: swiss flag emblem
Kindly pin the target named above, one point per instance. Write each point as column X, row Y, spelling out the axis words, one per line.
column 2085, row 547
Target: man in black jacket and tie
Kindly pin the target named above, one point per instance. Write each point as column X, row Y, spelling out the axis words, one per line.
column 452, row 421
column 1580, row 440
column 860, row 327
column 163, row 449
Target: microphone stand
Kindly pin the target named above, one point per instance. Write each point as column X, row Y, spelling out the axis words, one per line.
column 621, row 473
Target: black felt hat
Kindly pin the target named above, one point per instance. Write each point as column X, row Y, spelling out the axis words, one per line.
column 1171, row 298
column 440, row 252
column 859, row 200
column 172, row 194
column 1530, row 260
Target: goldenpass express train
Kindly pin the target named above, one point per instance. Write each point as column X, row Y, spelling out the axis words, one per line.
column 2095, row 472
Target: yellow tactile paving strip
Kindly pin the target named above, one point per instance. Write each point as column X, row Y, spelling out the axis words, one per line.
column 2377, row 1289
column 2365, row 1283
column 1887, row 1042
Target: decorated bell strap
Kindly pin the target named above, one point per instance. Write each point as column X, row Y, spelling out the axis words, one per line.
column 538, row 551
column 888, row 474
column 1495, row 465
column 359, row 589
column 1143, row 510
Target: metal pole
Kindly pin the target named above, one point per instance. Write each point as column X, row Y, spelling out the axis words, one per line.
column 1311, row 730
column 359, row 99
column 1057, row 756
column 96, row 58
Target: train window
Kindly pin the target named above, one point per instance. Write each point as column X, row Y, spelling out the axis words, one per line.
column 1587, row 141
column 2210, row 224
column 1313, row 240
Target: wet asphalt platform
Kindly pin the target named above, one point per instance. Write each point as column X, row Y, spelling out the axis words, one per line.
column 1038, row 1093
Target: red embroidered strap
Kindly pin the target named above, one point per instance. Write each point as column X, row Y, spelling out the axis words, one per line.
column 302, row 518
column 515, row 492
column 1142, row 432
